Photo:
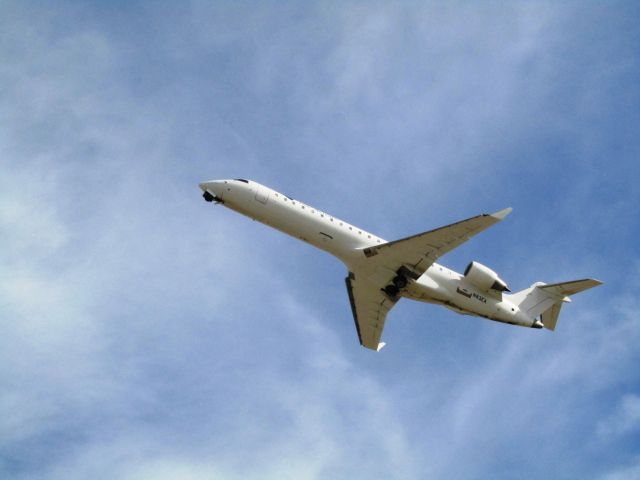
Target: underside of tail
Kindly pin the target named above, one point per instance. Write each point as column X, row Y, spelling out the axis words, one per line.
column 545, row 301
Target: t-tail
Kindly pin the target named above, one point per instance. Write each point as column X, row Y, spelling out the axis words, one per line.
column 544, row 301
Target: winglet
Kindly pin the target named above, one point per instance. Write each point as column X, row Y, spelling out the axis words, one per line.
column 502, row 213
column 380, row 345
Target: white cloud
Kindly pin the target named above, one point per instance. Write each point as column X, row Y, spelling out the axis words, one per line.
column 625, row 419
column 146, row 333
column 629, row 472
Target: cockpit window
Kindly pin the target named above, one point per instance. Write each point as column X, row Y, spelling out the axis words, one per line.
column 241, row 180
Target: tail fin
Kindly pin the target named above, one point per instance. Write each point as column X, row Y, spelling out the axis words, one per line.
column 545, row 300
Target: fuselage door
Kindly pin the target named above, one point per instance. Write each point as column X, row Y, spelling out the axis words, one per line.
column 262, row 195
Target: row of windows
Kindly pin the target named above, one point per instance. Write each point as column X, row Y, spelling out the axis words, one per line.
column 293, row 202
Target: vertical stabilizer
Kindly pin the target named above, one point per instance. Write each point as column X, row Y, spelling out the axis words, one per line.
column 550, row 316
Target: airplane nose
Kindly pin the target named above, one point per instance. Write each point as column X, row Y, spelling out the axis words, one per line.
column 204, row 186
column 211, row 191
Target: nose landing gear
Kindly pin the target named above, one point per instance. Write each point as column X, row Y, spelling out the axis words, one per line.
column 211, row 198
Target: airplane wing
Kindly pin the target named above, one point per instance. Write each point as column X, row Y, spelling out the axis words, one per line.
column 418, row 252
column 415, row 254
column 369, row 307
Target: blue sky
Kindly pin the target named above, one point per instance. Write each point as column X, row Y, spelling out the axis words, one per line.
column 147, row 334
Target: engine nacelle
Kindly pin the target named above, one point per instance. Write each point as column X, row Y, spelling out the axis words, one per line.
column 485, row 278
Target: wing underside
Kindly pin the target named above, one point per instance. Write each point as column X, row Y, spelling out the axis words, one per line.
column 412, row 256
column 421, row 250
column 369, row 306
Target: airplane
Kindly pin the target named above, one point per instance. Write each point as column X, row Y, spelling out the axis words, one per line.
column 380, row 273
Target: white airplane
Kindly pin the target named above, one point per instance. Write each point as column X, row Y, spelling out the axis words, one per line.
column 381, row 272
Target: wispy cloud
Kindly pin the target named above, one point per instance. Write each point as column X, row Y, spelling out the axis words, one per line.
column 147, row 333
column 625, row 419
column 624, row 473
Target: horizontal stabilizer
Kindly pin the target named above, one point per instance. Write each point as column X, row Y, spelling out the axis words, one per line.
column 566, row 289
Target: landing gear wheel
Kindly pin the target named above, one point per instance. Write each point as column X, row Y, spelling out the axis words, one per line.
column 400, row 282
column 391, row 290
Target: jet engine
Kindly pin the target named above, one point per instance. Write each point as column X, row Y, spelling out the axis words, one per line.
column 484, row 278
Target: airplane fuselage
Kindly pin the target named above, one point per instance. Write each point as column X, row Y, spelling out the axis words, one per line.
column 437, row 285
